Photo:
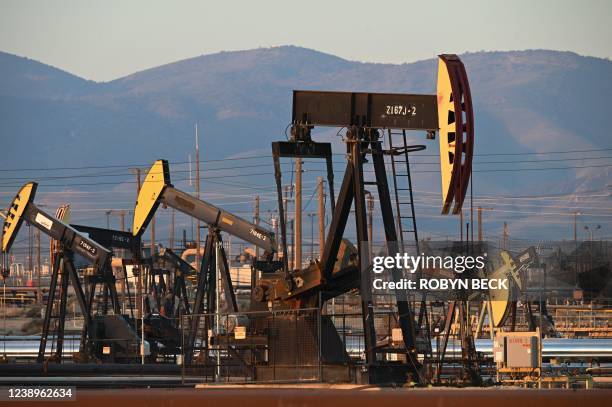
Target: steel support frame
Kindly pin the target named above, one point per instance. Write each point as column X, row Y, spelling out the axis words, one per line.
column 64, row 266
column 352, row 190
column 207, row 288
column 471, row 367
column 303, row 150
column 180, row 290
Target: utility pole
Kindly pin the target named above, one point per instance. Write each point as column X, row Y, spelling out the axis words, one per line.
column 321, row 215
column 479, row 211
column 139, row 301
column 311, row 216
column 471, row 237
column 31, row 249
column 39, row 268
column 171, row 237
column 298, row 214
column 197, row 188
column 122, row 281
column 153, row 236
column 292, row 243
column 256, row 221
column 505, row 237
column 286, row 204
column 575, row 226
column 274, row 222
column 480, row 224
column 461, row 224
column 136, row 171
column 370, row 224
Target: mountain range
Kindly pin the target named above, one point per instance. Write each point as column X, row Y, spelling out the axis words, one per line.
column 526, row 102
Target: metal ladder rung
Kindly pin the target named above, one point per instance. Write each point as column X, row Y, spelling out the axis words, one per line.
column 400, row 163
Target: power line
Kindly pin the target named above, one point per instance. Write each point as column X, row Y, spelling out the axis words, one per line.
column 306, row 170
column 96, row 175
column 268, row 156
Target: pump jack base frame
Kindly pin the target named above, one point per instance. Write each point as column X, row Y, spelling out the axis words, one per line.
column 360, row 142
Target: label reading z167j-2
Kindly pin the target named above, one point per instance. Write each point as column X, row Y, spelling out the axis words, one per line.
column 400, row 110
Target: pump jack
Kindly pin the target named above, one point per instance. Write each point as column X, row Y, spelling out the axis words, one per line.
column 365, row 116
column 158, row 328
column 117, row 332
column 157, row 189
column 71, row 242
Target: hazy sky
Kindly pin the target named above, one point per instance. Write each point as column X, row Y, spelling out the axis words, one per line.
column 104, row 40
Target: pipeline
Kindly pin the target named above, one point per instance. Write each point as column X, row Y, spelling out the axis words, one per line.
column 25, row 347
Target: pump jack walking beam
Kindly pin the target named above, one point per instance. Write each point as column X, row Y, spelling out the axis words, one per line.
column 157, row 189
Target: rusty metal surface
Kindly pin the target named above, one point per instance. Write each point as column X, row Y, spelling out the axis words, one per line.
column 320, row 397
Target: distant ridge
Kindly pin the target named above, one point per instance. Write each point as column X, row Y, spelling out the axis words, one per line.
column 525, row 101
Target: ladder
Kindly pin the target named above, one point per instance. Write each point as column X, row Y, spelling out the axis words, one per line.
column 408, row 237
column 402, row 186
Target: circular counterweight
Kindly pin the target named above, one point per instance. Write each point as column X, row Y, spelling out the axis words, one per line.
column 502, row 299
column 456, row 124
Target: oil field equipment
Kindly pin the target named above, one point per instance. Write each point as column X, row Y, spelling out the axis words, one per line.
column 501, row 307
column 106, row 335
column 157, row 189
column 71, row 242
column 456, row 131
column 166, row 260
column 116, row 336
column 366, row 117
column 518, row 355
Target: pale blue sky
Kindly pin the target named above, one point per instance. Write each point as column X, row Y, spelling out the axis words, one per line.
column 104, row 40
